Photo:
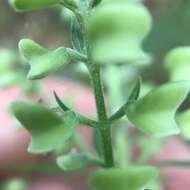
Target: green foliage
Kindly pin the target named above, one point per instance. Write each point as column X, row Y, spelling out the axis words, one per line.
column 8, row 76
column 15, row 184
column 178, row 64
column 48, row 131
column 183, row 120
column 104, row 32
column 96, row 2
column 155, row 112
column 110, row 40
column 77, row 36
column 30, row 49
column 130, row 178
column 43, row 62
column 74, row 161
column 25, row 5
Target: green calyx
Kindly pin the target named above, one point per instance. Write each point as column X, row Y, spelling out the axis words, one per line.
column 178, row 64
column 48, row 131
column 118, row 41
column 43, row 62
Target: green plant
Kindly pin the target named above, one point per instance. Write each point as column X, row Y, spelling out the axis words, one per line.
column 104, row 34
column 10, row 62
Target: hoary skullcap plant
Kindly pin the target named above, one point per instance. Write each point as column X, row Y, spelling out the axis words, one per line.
column 103, row 33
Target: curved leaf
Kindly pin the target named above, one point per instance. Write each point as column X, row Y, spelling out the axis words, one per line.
column 183, row 120
column 130, row 178
column 48, row 131
column 30, row 49
column 48, row 63
column 28, row 5
column 155, row 112
column 178, row 64
column 118, row 41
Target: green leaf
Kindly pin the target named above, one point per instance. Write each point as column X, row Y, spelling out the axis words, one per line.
column 30, row 49
column 77, row 36
column 134, row 94
column 118, row 41
column 48, row 63
column 48, row 131
column 178, row 64
column 73, row 161
column 97, row 139
column 130, row 178
column 7, row 59
column 155, row 112
column 135, row 91
column 29, row 5
column 96, row 2
column 183, row 120
column 8, row 79
column 15, row 184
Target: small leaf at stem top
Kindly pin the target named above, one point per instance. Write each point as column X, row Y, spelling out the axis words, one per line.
column 48, row 131
column 155, row 112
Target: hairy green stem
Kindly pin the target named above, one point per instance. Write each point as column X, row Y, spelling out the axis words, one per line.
column 104, row 125
column 103, row 121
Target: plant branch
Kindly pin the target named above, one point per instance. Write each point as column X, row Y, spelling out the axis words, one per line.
column 82, row 119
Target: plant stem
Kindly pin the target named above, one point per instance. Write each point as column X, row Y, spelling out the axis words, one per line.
column 103, row 121
column 104, row 125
